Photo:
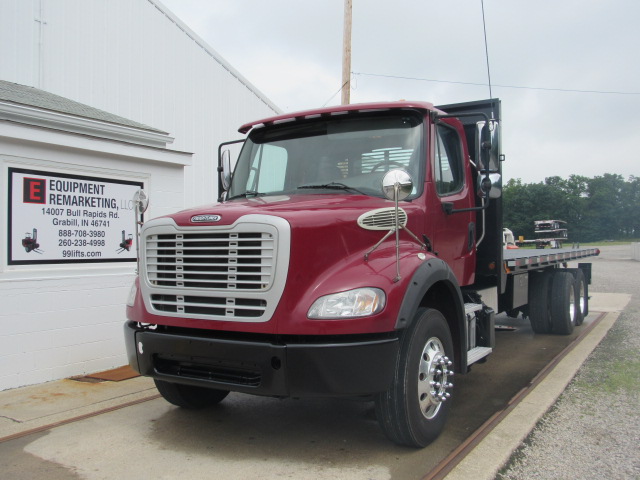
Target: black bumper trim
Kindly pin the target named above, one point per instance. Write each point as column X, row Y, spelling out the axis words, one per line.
column 263, row 367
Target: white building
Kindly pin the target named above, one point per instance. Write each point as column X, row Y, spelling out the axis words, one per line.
column 137, row 73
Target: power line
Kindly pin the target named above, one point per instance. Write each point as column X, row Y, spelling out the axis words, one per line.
column 339, row 90
column 495, row 84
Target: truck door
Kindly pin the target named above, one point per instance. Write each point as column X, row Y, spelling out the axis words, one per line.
column 449, row 182
column 489, row 253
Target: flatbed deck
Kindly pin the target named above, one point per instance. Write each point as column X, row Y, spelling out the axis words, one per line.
column 523, row 259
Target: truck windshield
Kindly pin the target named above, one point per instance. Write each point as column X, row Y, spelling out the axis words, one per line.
column 349, row 153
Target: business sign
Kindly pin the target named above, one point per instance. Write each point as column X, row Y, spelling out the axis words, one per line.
column 58, row 218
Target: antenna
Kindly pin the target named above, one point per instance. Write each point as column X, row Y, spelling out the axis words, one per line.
column 486, row 52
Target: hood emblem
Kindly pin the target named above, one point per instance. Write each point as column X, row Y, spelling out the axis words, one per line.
column 205, row 218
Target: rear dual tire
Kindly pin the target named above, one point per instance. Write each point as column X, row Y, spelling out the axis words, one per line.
column 563, row 303
column 539, row 302
column 581, row 294
column 558, row 301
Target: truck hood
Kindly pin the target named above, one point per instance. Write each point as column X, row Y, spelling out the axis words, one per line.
column 324, row 227
column 297, row 209
column 325, row 254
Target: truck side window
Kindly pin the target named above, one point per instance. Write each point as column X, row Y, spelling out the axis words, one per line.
column 270, row 163
column 448, row 166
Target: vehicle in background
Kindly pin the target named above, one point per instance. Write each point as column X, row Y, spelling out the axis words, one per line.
column 549, row 233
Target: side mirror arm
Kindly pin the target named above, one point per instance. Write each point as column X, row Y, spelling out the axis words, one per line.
column 448, row 207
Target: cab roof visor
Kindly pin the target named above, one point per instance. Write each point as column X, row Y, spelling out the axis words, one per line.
column 336, row 111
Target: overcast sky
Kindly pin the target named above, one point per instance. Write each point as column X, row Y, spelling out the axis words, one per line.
column 551, row 50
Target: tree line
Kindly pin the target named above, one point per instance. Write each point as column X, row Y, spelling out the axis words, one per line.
column 601, row 208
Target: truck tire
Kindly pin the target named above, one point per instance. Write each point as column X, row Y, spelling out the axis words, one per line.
column 413, row 410
column 581, row 294
column 188, row 396
column 539, row 305
column 563, row 303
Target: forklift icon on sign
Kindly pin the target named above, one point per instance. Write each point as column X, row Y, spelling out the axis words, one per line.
column 127, row 242
column 30, row 242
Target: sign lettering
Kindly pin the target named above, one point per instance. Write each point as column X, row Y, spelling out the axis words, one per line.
column 59, row 218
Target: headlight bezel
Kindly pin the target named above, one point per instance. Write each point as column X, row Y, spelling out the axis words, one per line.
column 350, row 304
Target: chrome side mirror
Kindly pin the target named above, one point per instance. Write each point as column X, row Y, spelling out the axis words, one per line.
column 225, row 174
column 141, row 201
column 397, row 185
column 496, row 185
column 225, row 169
column 490, row 187
column 492, row 137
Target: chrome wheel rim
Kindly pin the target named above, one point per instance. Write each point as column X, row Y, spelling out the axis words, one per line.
column 582, row 300
column 572, row 306
column 433, row 378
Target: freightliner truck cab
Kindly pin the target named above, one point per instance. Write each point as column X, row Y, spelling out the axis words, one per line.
column 350, row 254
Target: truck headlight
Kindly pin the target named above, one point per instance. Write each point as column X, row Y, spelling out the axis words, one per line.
column 353, row 303
column 131, row 299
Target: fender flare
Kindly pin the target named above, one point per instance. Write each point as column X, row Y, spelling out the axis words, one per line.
column 424, row 278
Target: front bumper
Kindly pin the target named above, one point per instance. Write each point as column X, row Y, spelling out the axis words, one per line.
column 264, row 367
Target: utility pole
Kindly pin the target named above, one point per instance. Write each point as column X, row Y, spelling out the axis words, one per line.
column 346, row 54
column 41, row 23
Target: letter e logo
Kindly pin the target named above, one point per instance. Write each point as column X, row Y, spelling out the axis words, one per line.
column 34, row 190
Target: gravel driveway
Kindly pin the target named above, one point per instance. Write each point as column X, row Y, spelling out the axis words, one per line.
column 593, row 431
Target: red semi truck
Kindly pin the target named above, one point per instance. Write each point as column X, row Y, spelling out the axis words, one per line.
column 355, row 251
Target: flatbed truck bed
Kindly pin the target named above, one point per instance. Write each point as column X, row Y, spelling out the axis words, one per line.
column 519, row 260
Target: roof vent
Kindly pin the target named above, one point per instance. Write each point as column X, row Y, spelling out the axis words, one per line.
column 382, row 219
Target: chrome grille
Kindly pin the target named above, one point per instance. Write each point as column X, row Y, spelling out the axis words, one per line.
column 224, row 272
column 221, row 261
column 208, row 306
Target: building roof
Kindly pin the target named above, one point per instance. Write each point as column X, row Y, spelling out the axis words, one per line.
column 214, row 54
column 33, row 97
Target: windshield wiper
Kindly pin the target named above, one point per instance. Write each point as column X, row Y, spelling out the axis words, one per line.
column 247, row 194
column 332, row 186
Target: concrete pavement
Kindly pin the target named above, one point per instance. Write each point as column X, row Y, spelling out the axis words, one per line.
column 37, row 408
column 486, row 459
column 41, row 407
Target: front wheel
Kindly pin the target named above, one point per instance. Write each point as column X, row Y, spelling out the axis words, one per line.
column 413, row 410
column 188, row 396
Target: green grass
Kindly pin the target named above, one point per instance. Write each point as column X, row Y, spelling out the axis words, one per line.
column 620, row 375
column 614, row 369
column 624, row 375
